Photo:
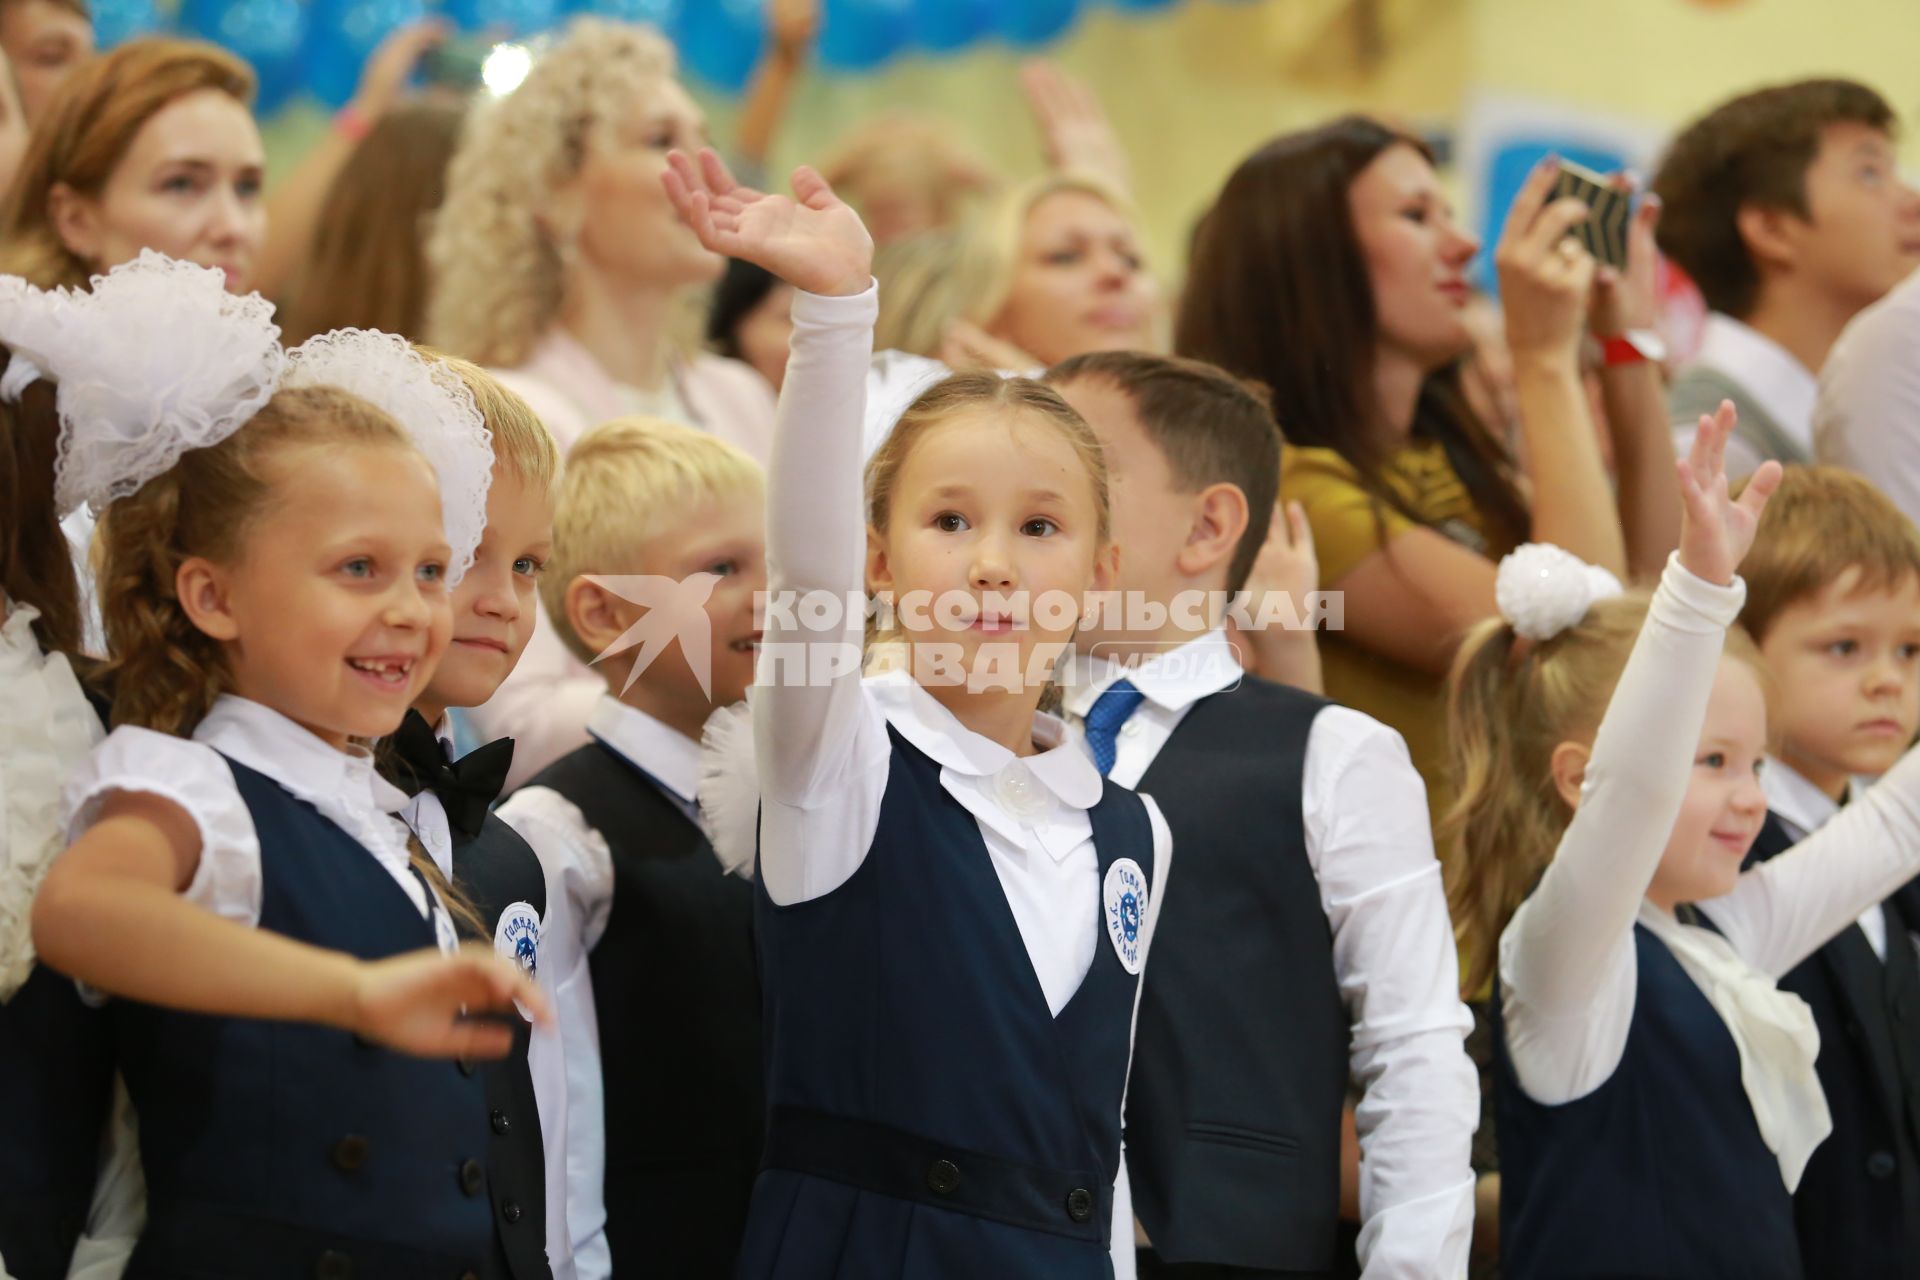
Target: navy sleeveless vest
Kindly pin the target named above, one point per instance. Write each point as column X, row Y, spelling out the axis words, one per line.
column 1660, row 1172
column 1241, row 1057
column 56, row 1075
column 929, row 1118
column 684, row 1129
column 281, row 1148
column 495, row 870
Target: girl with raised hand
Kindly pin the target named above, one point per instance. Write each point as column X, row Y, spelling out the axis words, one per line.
column 273, row 582
column 1657, row 1094
column 953, row 908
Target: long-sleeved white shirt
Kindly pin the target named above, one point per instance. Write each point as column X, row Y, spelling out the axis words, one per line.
column 1567, row 962
column 1369, row 840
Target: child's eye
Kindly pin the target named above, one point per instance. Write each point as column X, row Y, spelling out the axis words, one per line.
column 1417, row 213
column 358, row 567
column 724, row 568
column 1039, row 527
column 1713, row 760
column 247, row 188
column 950, row 522
column 433, row 573
column 528, row 566
column 1843, row 648
column 180, row 184
column 1908, row 652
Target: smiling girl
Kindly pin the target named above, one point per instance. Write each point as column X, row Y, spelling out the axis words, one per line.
column 274, row 589
column 953, row 908
column 1657, row 1093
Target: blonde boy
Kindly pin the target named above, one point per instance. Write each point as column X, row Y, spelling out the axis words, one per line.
column 1833, row 599
column 659, row 551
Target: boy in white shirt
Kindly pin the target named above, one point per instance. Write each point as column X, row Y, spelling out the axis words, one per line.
column 659, row 550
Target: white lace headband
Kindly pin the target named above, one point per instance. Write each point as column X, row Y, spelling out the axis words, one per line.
column 158, row 358
column 1542, row 590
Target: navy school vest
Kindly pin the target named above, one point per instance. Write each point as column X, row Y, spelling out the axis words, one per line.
column 286, row 1149
column 929, row 1118
column 1857, row 1208
column 678, row 1002
column 1241, row 1057
column 1660, row 1172
column 56, row 1076
column 497, row 870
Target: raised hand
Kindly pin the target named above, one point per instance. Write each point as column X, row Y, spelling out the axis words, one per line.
column 417, row 1002
column 1545, row 277
column 1717, row 529
column 1074, row 129
column 812, row 241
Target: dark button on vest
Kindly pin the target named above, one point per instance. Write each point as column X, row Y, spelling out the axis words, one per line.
column 944, row 1177
column 350, row 1153
column 333, row 1265
column 473, row 1177
column 1080, row 1204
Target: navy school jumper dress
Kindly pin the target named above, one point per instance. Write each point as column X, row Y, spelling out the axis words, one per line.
column 288, row 1149
column 928, row 1117
column 1661, row 1171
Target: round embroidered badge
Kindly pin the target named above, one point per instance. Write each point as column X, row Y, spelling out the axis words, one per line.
column 1125, row 896
column 517, row 936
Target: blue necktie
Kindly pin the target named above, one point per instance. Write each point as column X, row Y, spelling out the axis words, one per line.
column 1104, row 718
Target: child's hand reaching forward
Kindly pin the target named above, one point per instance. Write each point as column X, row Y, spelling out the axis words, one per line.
column 422, row 1002
column 1716, row 529
column 812, row 241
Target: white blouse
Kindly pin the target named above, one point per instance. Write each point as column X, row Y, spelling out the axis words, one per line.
column 342, row 785
column 1568, row 968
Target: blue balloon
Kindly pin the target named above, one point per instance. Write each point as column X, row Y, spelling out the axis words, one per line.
column 858, row 35
column 720, row 40
column 117, row 21
column 343, row 35
column 1026, row 23
column 511, row 18
column 661, row 14
column 946, row 25
column 269, row 34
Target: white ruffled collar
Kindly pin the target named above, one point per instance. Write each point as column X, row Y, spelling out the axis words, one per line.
column 331, row 780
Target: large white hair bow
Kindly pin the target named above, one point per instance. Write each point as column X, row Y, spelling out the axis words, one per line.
column 1542, row 590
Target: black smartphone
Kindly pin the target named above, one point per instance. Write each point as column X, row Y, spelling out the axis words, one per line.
column 1604, row 233
column 457, row 62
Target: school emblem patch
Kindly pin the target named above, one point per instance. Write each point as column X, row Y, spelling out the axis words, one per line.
column 517, row 936
column 1125, row 896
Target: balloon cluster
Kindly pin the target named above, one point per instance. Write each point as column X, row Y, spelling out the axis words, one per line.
column 318, row 46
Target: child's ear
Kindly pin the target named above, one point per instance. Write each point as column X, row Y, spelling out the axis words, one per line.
column 879, row 572
column 1220, row 517
column 1769, row 234
column 1569, row 768
column 1106, row 568
column 594, row 614
column 201, row 587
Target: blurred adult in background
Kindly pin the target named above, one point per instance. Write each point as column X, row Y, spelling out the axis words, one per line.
column 906, row 174
column 151, row 146
column 1048, row 269
column 749, row 319
column 13, row 129
column 1867, row 417
column 44, row 40
column 367, row 265
column 1786, row 208
column 1331, row 269
column 558, row 262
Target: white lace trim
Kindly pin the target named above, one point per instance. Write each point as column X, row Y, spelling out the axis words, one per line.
column 155, row 359
column 427, row 398
column 729, row 789
column 47, row 728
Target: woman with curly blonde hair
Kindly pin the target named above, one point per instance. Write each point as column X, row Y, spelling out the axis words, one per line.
column 559, row 263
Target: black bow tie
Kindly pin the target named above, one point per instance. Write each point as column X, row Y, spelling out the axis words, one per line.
column 466, row 787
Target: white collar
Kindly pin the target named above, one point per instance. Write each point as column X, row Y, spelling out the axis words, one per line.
column 1061, row 767
column 1804, row 806
column 1784, row 388
column 329, row 779
column 1173, row 680
column 664, row 754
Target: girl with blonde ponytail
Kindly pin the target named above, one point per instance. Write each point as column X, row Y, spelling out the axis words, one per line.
column 278, row 534
column 1656, row 1091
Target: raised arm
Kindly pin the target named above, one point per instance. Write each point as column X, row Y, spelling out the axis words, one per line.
column 1567, row 959
column 810, row 734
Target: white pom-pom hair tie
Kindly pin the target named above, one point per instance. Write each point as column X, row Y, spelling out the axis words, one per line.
column 1542, row 590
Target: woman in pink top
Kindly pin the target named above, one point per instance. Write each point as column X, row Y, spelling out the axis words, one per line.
column 562, row 268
